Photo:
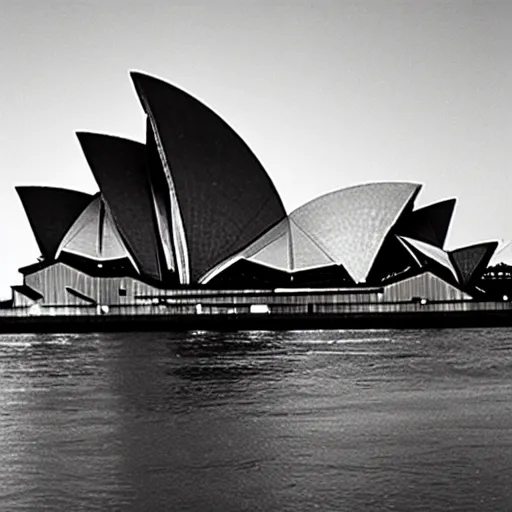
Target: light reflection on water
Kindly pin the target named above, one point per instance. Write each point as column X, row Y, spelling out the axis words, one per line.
column 257, row 420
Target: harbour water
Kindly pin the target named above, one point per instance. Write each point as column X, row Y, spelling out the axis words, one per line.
column 416, row 420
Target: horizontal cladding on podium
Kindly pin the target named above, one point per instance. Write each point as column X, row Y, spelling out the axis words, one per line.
column 62, row 285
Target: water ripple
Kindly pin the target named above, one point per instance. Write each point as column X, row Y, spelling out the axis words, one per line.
column 257, row 420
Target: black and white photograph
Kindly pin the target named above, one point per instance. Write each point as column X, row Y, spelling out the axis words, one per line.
column 256, row 255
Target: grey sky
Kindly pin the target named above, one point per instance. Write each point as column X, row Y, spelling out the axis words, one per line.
column 327, row 94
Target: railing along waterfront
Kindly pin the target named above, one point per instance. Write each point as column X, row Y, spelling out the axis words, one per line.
column 234, row 308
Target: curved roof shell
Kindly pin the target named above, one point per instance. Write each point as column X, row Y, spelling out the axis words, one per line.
column 346, row 228
column 503, row 254
column 286, row 247
column 222, row 198
column 351, row 224
column 394, row 261
column 51, row 212
column 470, row 261
column 431, row 252
column 161, row 199
column 429, row 224
column 120, row 169
column 94, row 235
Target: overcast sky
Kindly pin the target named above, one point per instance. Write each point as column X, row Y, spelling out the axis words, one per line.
column 327, row 94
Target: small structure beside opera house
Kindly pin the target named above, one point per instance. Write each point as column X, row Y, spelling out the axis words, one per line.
column 188, row 230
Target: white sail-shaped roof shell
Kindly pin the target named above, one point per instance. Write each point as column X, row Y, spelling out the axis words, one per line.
column 287, row 248
column 351, row 224
column 503, row 254
column 434, row 253
column 94, row 235
column 346, row 227
column 273, row 248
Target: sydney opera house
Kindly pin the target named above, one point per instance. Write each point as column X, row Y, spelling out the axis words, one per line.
column 189, row 224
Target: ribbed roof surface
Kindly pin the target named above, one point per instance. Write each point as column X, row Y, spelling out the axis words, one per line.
column 273, row 248
column 161, row 198
column 469, row 261
column 224, row 197
column 345, row 228
column 51, row 212
column 351, row 224
column 286, row 247
column 120, row 169
column 94, row 235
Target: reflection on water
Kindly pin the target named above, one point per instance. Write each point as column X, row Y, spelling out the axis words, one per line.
column 302, row 420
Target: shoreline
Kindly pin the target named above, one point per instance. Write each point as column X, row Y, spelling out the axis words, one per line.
column 263, row 321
